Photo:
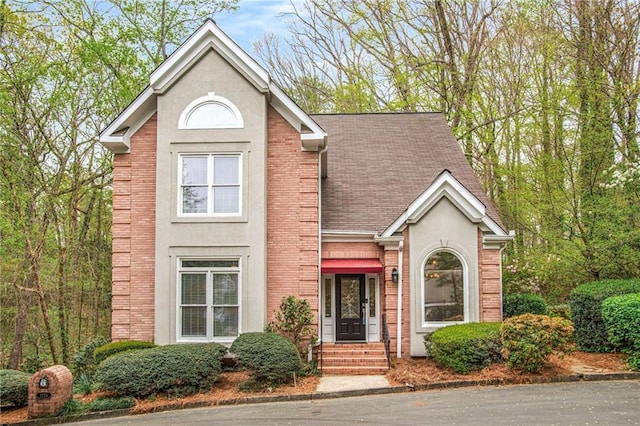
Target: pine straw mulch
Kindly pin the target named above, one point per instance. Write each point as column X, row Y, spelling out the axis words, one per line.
column 416, row 372
column 405, row 372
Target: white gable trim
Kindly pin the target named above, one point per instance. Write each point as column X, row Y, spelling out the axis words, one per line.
column 209, row 35
column 445, row 186
column 117, row 136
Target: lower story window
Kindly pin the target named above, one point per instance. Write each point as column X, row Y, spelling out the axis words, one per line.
column 208, row 298
column 443, row 288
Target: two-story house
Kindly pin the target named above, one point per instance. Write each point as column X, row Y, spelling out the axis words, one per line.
column 228, row 197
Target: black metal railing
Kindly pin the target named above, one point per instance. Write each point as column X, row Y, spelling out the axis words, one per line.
column 386, row 339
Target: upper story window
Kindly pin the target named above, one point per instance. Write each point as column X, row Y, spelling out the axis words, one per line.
column 210, row 185
column 443, row 289
column 211, row 112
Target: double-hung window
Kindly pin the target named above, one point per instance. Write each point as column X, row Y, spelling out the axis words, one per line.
column 208, row 296
column 210, row 185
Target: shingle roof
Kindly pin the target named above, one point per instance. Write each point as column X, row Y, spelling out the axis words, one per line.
column 379, row 163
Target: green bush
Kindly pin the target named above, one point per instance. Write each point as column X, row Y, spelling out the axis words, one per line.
column 103, row 352
column 269, row 357
column 465, row 347
column 634, row 361
column 586, row 311
column 621, row 315
column 523, row 303
column 528, row 340
column 74, row 407
column 83, row 361
column 14, row 387
column 562, row 310
column 294, row 321
column 109, row 404
column 175, row 370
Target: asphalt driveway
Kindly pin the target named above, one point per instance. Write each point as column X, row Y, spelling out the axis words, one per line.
column 574, row 403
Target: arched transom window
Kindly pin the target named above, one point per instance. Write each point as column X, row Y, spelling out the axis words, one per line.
column 443, row 289
column 211, row 112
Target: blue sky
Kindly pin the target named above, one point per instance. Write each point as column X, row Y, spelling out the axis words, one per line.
column 253, row 19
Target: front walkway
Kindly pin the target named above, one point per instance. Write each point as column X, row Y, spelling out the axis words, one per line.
column 351, row 383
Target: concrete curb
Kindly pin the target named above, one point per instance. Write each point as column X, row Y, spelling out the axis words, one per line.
column 587, row 377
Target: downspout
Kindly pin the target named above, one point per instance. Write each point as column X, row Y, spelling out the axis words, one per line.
column 399, row 331
column 320, row 316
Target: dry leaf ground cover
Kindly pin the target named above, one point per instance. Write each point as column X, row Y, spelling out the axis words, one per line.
column 407, row 371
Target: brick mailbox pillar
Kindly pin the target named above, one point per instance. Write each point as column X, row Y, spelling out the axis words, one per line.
column 49, row 390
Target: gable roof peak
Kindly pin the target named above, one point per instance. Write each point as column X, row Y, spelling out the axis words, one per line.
column 209, row 36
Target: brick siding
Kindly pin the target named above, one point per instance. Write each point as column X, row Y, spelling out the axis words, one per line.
column 133, row 270
column 489, row 265
column 292, row 216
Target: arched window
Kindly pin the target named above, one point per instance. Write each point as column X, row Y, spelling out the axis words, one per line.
column 211, row 112
column 444, row 288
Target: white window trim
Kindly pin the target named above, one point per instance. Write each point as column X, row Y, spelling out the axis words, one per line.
column 210, row 184
column 211, row 98
column 209, row 291
column 465, row 288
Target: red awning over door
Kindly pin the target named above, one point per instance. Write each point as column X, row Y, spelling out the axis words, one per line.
column 351, row 266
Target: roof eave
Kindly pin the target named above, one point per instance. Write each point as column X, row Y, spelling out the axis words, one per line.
column 446, row 186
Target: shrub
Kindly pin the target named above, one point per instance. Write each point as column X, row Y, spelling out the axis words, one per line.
column 634, row 361
column 621, row 315
column 83, row 361
column 269, row 357
column 103, row 352
column 74, row 407
column 528, row 340
column 523, row 303
column 294, row 320
column 108, row 404
column 586, row 306
column 175, row 370
column 14, row 387
column 562, row 310
column 465, row 347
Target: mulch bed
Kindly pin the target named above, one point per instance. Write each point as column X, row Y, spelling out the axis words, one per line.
column 405, row 372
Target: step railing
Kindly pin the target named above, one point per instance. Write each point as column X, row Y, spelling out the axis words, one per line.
column 386, row 339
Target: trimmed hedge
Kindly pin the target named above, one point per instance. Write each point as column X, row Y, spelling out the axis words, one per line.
column 83, row 360
column 105, row 351
column 465, row 347
column 528, row 340
column 586, row 306
column 621, row 315
column 14, row 387
column 523, row 303
column 175, row 370
column 269, row 357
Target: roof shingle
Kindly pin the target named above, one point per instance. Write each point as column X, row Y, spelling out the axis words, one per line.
column 379, row 163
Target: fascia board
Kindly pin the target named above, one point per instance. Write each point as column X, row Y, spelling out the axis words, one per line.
column 208, row 36
column 334, row 236
column 444, row 185
column 293, row 113
column 132, row 118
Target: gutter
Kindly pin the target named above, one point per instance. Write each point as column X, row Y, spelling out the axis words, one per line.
column 400, row 273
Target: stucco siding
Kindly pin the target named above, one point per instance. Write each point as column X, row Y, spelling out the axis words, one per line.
column 443, row 227
column 241, row 237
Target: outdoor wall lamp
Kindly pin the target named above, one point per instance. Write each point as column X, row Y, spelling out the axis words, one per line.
column 394, row 275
